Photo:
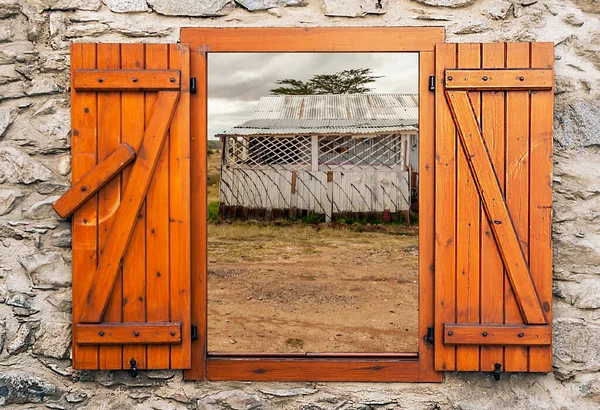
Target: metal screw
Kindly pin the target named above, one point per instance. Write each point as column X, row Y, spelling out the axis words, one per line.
column 83, row 188
column 484, row 78
column 172, row 79
column 521, row 78
column 100, row 80
column 135, row 80
column 449, row 78
column 450, row 333
column 521, row 334
column 172, row 333
column 136, row 333
column 101, row 333
column 485, row 334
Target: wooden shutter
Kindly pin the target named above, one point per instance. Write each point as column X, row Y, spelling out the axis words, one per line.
column 130, row 202
column 493, row 198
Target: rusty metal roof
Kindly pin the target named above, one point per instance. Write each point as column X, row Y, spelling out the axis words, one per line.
column 331, row 114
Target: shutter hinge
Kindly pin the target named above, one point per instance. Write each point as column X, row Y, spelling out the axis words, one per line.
column 430, row 335
column 432, row 83
column 193, row 85
column 194, row 334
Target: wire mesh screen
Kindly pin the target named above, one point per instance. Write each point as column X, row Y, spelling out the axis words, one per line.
column 345, row 151
column 257, row 152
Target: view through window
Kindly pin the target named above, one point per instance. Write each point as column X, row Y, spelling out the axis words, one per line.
column 313, row 206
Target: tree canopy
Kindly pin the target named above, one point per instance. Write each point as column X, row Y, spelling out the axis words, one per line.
column 352, row 81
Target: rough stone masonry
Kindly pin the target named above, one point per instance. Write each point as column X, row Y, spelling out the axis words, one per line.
column 35, row 244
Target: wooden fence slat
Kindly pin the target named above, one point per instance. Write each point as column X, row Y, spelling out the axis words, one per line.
column 540, row 197
column 180, row 212
column 134, row 263
column 109, row 137
column 517, row 190
column 468, row 334
column 157, row 227
column 445, row 216
column 467, row 231
column 491, row 265
column 126, row 215
column 128, row 333
column 84, row 225
column 499, row 80
column 105, row 80
column 496, row 209
column 91, row 182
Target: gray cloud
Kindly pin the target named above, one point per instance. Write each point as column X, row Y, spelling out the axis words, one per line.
column 236, row 81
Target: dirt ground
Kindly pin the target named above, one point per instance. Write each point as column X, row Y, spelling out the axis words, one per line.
column 307, row 288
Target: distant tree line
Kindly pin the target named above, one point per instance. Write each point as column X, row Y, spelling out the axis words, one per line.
column 352, row 81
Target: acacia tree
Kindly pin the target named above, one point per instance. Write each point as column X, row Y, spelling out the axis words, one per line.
column 352, row 81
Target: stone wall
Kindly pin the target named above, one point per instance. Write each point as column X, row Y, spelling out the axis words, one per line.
column 35, row 274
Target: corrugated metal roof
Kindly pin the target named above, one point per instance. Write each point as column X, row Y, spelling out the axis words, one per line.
column 331, row 114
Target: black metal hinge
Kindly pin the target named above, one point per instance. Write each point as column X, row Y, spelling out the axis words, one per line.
column 193, row 85
column 430, row 335
column 432, row 83
column 194, row 332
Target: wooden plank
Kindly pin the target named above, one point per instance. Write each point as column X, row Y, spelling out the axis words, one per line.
column 128, row 333
column 111, row 79
column 351, row 39
column 540, row 200
column 133, row 196
column 517, row 191
column 91, row 182
column 312, row 369
column 180, row 212
column 492, row 277
column 84, row 223
column 134, row 263
column 109, row 137
column 445, row 212
column 157, row 225
column 468, row 334
column 426, row 194
column 199, row 167
column 495, row 206
column 467, row 230
column 500, row 80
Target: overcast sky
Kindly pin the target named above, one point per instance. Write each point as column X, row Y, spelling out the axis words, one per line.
column 236, row 81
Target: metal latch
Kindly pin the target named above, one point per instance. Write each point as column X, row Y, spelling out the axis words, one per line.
column 194, row 332
column 193, row 85
column 497, row 367
column 133, row 367
column 432, row 83
column 430, row 335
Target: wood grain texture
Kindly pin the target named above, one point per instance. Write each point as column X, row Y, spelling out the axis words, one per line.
column 338, row 39
column 491, row 265
column 540, row 200
column 180, row 211
column 157, row 225
column 499, row 80
column 109, row 197
column 496, row 209
column 91, row 182
column 309, row 369
column 84, row 223
column 445, row 212
column 467, row 229
column 128, row 333
column 517, row 190
column 142, row 171
column 470, row 334
column 134, row 264
column 125, row 79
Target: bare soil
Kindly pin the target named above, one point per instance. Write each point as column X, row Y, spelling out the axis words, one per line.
column 305, row 288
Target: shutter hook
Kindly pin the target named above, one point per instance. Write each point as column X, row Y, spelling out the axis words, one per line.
column 133, row 367
column 497, row 367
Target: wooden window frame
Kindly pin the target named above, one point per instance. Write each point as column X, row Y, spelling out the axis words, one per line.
column 384, row 367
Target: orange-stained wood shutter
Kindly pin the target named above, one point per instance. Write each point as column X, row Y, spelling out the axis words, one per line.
column 493, row 198
column 130, row 202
